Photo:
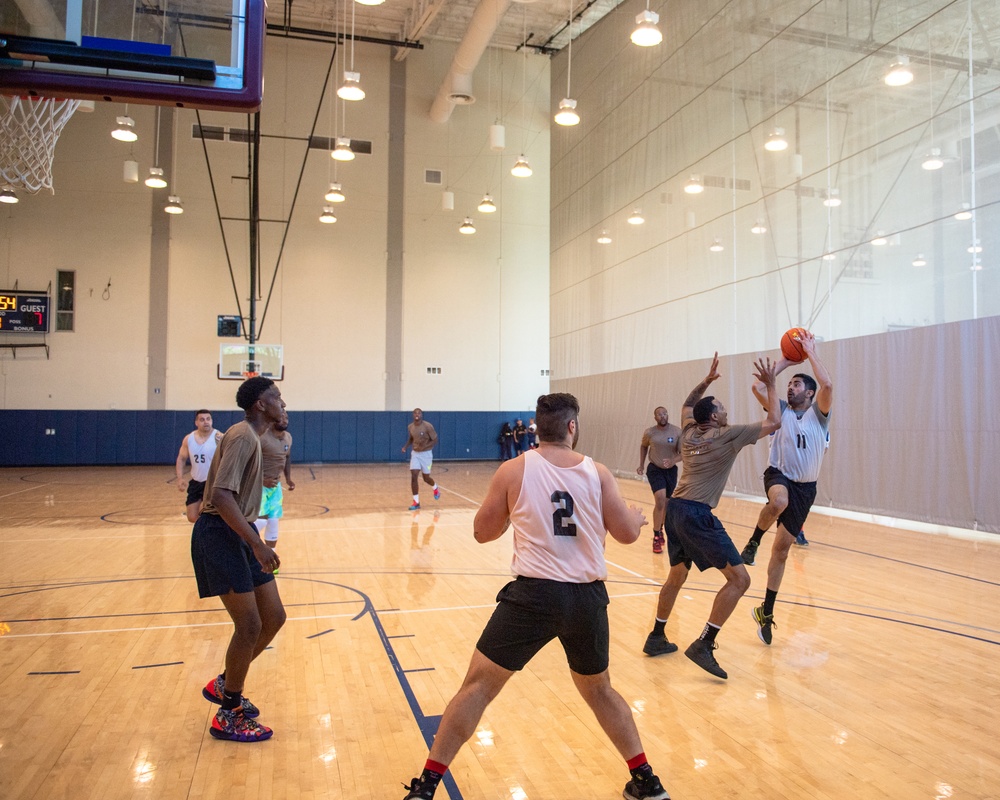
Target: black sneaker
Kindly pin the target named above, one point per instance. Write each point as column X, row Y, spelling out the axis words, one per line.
column 419, row 790
column 700, row 652
column 657, row 645
column 749, row 554
column 764, row 624
column 800, row 539
column 649, row 789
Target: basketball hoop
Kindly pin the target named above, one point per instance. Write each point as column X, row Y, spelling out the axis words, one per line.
column 29, row 130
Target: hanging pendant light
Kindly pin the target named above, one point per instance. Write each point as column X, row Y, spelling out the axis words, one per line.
column 920, row 261
column 8, row 195
column 342, row 150
column 933, row 159
column 964, row 214
column 880, row 239
column 776, row 141
column 759, row 227
column 486, row 205
column 335, row 194
column 567, row 106
column 646, row 33
column 124, row 130
column 156, row 179
column 467, row 227
column 327, row 217
column 567, row 113
column 832, row 199
column 351, row 89
column 636, row 217
column 521, row 168
column 716, row 246
column 173, row 205
column 370, row 2
column 899, row 73
column 130, row 171
column 604, row 238
column 694, row 185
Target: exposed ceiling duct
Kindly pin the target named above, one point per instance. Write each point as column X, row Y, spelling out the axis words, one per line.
column 457, row 84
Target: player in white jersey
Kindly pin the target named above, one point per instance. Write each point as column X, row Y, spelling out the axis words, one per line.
column 198, row 447
column 794, row 462
column 561, row 505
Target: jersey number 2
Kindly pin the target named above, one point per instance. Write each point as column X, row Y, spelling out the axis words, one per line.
column 561, row 525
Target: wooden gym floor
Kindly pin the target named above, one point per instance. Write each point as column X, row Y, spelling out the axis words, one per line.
column 881, row 682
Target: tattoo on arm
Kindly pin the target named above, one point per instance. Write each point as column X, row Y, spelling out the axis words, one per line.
column 696, row 394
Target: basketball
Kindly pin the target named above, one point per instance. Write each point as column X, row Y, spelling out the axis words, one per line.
column 791, row 347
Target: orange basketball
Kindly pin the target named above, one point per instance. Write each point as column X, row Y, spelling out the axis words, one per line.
column 791, row 346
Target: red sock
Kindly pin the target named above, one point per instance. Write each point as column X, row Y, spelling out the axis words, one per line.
column 636, row 761
column 434, row 766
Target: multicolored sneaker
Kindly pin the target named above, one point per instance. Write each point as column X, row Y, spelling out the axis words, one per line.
column 437, row 494
column 235, row 726
column 414, row 507
column 764, row 624
column 213, row 693
column 658, row 543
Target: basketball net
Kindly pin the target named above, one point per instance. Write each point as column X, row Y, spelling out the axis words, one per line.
column 29, row 130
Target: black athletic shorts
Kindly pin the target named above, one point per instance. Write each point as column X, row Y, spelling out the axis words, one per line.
column 196, row 491
column 801, row 497
column 660, row 478
column 695, row 534
column 223, row 562
column 533, row 611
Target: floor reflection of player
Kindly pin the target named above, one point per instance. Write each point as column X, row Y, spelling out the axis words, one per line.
column 421, row 578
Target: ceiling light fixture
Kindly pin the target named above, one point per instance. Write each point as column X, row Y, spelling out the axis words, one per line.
column 880, row 240
column 567, row 113
column 567, row 106
column 776, row 141
column 636, row 218
column 646, row 33
column 694, row 185
column 964, row 214
column 832, row 199
column 8, row 195
column 920, row 261
column 370, row 2
column 173, row 205
column 467, row 227
column 899, row 73
column 486, row 205
column 156, row 179
column 716, row 246
column 327, row 217
column 604, row 238
column 975, row 247
column 521, row 168
column 342, row 150
column 351, row 89
column 759, row 227
column 335, row 194
column 124, row 130
column 933, row 160
column 829, row 256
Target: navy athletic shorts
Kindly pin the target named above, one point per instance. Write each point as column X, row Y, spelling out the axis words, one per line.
column 660, row 478
column 196, row 491
column 695, row 534
column 800, row 499
column 533, row 611
column 223, row 562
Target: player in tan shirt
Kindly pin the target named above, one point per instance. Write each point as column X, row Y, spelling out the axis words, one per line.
column 662, row 443
column 709, row 446
column 233, row 563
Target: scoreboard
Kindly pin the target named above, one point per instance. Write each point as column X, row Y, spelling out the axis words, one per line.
column 23, row 312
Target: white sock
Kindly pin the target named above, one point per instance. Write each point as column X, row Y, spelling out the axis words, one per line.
column 435, row 487
column 271, row 534
column 416, row 499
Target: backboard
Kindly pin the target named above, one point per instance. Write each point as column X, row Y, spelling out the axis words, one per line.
column 237, row 362
column 189, row 53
